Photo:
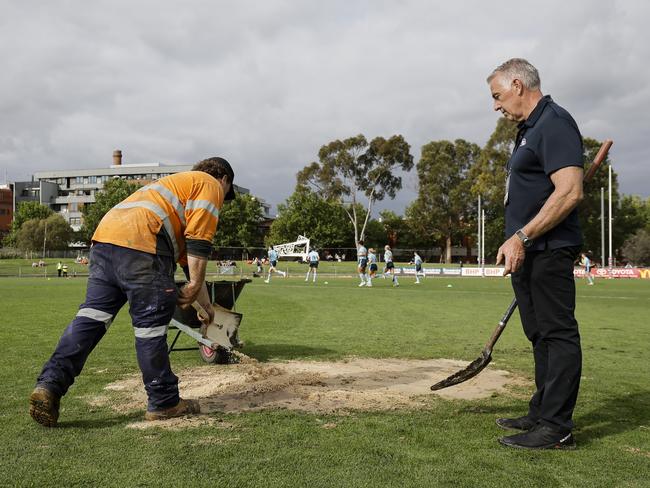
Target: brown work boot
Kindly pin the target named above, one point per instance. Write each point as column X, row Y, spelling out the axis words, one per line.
column 184, row 407
column 44, row 406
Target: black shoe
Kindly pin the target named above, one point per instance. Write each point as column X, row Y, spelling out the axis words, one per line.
column 521, row 423
column 540, row 437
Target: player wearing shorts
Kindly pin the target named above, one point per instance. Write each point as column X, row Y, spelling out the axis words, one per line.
column 417, row 260
column 313, row 259
column 390, row 266
column 372, row 263
column 273, row 262
column 586, row 262
column 362, row 263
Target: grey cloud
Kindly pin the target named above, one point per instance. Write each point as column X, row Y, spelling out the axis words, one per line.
column 265, row 84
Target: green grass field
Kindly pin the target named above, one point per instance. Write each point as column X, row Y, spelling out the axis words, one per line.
column 450, row 443
column 23, row 268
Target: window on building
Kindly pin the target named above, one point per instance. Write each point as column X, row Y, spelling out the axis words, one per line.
column 79, row 179
column 92, row 179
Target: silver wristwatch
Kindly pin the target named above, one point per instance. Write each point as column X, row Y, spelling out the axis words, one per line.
column 525, row 240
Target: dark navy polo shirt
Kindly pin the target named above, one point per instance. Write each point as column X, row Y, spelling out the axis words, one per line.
column 548, row 140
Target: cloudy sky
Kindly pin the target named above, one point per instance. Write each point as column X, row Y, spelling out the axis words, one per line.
column 266, row 83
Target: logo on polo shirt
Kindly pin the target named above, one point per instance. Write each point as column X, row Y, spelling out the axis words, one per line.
column 523, row 142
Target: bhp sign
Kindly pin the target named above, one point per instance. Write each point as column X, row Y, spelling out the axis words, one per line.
column 486, row 272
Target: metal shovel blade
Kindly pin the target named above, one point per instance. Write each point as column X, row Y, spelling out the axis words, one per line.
column 479, row 364
column 224, row 328
column 474, row 368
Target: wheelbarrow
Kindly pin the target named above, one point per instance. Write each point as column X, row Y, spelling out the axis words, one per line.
column 216, row 343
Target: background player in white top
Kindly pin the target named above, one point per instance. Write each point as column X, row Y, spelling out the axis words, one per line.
column 273, row 262
column 313, row 259
column 417, row 260
column 362, row 256
column 372, row 263
column 390, row 266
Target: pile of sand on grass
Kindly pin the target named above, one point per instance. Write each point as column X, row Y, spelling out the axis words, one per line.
column 353, row 384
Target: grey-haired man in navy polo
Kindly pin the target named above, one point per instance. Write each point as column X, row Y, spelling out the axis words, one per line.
column 543, row 239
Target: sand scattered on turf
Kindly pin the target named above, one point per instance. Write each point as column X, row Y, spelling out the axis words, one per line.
column 353, row 384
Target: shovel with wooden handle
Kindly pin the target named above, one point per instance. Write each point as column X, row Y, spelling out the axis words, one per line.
column 479, row 364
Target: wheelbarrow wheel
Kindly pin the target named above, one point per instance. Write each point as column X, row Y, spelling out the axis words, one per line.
column 219, row 355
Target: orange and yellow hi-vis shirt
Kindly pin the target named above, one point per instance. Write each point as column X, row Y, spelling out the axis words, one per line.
column 185, row 205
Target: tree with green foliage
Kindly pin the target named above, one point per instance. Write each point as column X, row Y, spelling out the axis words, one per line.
column 375, row 235
column 239, row 223
column 353, row 168
column 397, row 231
column 50, row 233
column 488, row 177
column 113, row 192
column 589, row 208
column 636, row 249
column 25, row 212
column 444, row 208
column 305, row 213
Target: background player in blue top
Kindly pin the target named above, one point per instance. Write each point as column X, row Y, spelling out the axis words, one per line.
column 273, row 262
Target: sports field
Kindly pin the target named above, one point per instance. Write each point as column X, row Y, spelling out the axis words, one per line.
column 435, row 441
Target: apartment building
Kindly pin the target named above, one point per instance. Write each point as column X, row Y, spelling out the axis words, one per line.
column 6, row 209
column 68, row 191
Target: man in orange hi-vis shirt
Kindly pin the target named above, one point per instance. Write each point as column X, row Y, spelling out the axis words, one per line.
column 133, row 258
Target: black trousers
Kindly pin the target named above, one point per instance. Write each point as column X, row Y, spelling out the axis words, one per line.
column 545, row 291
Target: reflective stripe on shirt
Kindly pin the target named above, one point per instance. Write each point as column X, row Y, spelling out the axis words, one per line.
column 205, row 205
column 160, row 213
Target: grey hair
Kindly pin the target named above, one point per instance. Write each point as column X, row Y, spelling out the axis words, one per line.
column 520, row 69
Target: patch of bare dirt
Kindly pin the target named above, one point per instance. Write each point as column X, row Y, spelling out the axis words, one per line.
column 317, row 387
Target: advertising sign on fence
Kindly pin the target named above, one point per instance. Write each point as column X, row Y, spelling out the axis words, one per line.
column 498, row 272
column 614, row 273
column 483, row 272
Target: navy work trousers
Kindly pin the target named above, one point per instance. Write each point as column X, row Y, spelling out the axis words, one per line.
column 546, row 295
column 118, row 275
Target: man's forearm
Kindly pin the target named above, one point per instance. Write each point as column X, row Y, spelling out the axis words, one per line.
column 554, row 211
column 566, row 196
column 196, row 267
